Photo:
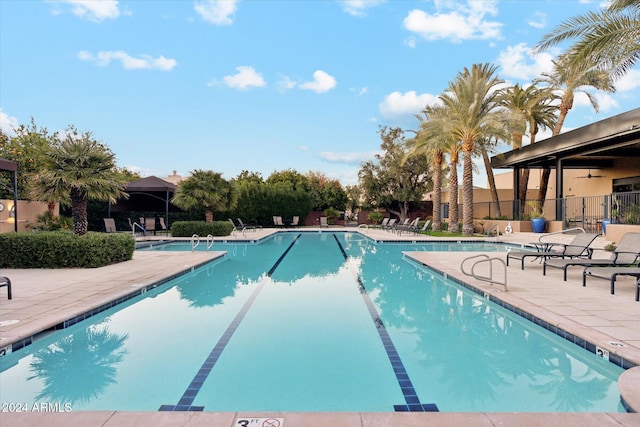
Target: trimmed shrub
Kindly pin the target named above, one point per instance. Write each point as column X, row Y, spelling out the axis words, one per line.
column 201, row 228
column 63, row 249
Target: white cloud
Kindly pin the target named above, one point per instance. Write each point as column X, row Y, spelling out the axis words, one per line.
column 93, row 10
column 606, row 102
column 144, row 62
column 359, row 7
column 322, row 82
column 455, row 21
column 538, row 20
column 359, row 92
column 629, row 81
column 286, row 83
column 8, row 123
column 519, row 63
column 396, row 103
column 244, row 79
column 218, row 12
column 346, row 157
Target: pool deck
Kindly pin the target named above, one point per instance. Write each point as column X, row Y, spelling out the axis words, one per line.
column 43, row 299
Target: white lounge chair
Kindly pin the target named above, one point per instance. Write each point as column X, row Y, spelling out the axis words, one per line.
column 611, row 274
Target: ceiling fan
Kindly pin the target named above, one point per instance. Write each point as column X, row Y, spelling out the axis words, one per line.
column 589, row 176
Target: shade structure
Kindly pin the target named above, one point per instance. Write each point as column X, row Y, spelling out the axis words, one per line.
column 7, row 165
column 146, row 194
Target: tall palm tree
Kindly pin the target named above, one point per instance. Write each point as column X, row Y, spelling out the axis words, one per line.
column 78, row 168
column 205, row 189
column 566, row 79
column 609, row 38
column 472, row 103
column 531, row 108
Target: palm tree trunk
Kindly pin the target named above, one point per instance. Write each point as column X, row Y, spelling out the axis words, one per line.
column 454, row 215
column 492, row 181
column 51, row 207
column 437, row 194
column 79, row 212
column 208, row 216
column 467, row 190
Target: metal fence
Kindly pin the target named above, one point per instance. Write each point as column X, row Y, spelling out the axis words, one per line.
column 586, row 212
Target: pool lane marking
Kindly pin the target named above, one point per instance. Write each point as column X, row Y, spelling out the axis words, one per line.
column 186, row 401
column 408, row 391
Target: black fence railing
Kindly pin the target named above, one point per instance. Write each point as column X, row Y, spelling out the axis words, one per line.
column 587, row 212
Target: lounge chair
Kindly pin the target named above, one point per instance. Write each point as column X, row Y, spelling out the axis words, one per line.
column 391, row 224
column 163, row 226
column 577, row 248
column 611, row 274
column 426, row 227
column 295, row 221
column 400, row 225
column 413, row 225
column 109, row 225
column 626, row 254
column 277, row 221
column 324, row 222
column 383, row 224
column 247, row 227
column 4, row 281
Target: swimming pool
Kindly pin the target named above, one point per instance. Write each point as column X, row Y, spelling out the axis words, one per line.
column 310, row 322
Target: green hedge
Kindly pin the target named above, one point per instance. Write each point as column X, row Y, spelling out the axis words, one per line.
column 201, row 228
column 63, row 249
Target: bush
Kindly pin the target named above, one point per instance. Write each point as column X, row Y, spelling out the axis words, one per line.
column 63, row 249
column 375, row 217
column 201, row 228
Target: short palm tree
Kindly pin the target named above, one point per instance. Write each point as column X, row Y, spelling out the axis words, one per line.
column 609, row 38
column 472, row 103
column 207, row 190
column 566, row 79
column 76, row 169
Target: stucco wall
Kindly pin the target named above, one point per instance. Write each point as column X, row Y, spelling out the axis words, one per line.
column 27, row 214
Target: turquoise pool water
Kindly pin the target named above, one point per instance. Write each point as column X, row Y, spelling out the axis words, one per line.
column 310, row 322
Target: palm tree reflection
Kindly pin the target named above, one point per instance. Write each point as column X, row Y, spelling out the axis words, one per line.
column 79, row 367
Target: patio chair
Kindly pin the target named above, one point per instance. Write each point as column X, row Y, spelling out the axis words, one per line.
column 295, row 221
column 277, row 221
column 577, row 248
column 247, row 227
column 426, row 227
column 390, row 224
column 611, row 274
column 4, row 281
column 626, row 254
column 150, row 225
column 413, row 225
column 324, row 222
column 109, row 225
column 163, row 226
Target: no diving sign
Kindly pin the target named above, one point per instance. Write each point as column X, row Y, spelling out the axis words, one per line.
column 259, row 422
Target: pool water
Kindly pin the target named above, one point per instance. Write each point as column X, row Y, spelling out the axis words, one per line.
column 310, row 322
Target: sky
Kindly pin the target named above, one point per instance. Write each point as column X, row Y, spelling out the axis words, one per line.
column 264, row 85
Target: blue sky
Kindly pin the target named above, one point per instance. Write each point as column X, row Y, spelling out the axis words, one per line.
column 263, row 85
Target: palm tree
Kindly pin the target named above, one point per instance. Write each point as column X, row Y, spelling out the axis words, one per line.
column 608, row 38
column 75, row 169
column 566, row 79
column 205, row 189
column 471, row 101
column 531, row 108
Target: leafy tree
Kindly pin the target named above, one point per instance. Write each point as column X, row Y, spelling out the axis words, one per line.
column 607, row 38
column 471, row 101
column 77, row 168
column 206, row 190
column 245, row 176
column 294, row 179
column 395, row 180
column 26, row 149
column 354, row 199
column 325, row 192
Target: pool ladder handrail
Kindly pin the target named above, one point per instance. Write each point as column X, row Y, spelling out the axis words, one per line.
column 497, row 227
column 195, row 241
column 489, row 279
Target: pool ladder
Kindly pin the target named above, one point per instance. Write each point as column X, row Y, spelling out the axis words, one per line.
column 195, row 241
column 484, row 260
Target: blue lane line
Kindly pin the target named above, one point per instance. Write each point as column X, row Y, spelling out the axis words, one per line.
column 408, row 391
column 186, row 401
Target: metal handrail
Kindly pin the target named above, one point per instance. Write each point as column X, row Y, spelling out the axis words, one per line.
column 195, row 241
column 560, row 232
column 133, row 229
column 497, row 227
column 209, row 241
column 485, row 259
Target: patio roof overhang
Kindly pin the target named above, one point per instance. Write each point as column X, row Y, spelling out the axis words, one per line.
column 595, row 145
